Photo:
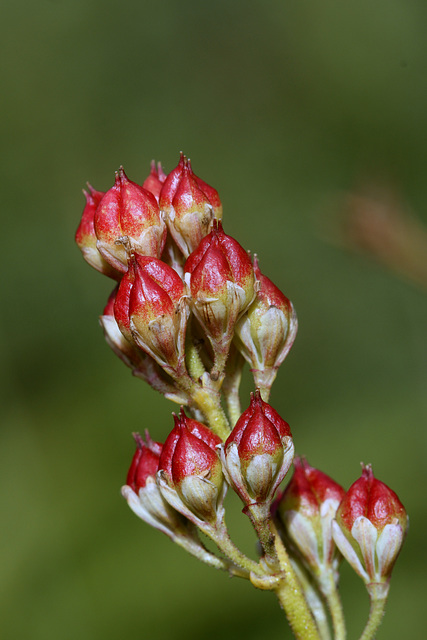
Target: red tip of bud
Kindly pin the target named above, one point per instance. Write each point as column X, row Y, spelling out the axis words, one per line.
column 144, row 463
column 373, row 499
column 154, row 182
column 309, row 488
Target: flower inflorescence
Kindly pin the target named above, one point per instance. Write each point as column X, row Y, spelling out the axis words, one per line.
column 189, row 307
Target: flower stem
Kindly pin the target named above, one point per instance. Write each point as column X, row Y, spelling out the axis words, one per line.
column 291, row 597
column 218, row 533
column 329, row 589
column 378, row 593
column 196, row 549
column 314, row 600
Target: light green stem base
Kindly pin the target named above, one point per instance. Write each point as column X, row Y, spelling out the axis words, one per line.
column 378, row 595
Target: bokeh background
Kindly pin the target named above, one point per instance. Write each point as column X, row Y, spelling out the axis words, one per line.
column 284, row 106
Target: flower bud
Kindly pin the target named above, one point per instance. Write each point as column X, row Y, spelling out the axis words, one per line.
column 258, row 452
column 128, row 218
column 266, row 331
column 190, row 473
column 220, row 278
column 370, row 528
column 155, row 180
column 190, row 206
column 306, row 509
column 86, row 238
column 141, row 364
column 150, row 309
column 142, row 494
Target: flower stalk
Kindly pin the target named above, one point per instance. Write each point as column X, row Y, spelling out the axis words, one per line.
column 189, row 311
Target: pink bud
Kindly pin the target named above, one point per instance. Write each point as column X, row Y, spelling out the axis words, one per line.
column 86, row 238
column 370, row 527
column 258, row 452
column 190, row 206
column 155, row 180
column 220, row 278
column 144, row 462
column 143, row 495
column 157, row 311
column 266, row 331
column 150, row 309
column 191, row 469
column 306, row 509
column 141, row 364
column 128, row 218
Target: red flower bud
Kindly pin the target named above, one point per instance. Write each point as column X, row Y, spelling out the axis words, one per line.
column 266, row 331
column 370, row 527
column 144, row 462
column 128, row 217
column 150, row 307
column 86, row 238
column 143, row 495
column 306, row 509
column 220, row 278
column 258, row 452
column 141, row 364
column 155, row 180
column 190, row 470
column 190, row 206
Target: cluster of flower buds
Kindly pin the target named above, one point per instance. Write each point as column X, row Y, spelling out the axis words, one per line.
column 187, row 292
column 188, row 309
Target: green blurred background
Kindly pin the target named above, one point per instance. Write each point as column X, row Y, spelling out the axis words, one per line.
column 281, row 105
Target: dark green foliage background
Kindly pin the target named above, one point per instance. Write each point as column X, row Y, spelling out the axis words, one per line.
column 279, row 104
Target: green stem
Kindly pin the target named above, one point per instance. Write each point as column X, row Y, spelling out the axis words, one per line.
column 378, row 593
column 218, row 534
column 196, row 549
column 259, row 515
column 231, row 384
column 207, row 400
column 194, row 362
column 329, row 589
column 292, row 599
column 314, row 600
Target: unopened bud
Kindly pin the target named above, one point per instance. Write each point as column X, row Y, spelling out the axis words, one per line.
column 370, row 528
column 150, row 307
column 190, row 472
column 141, row 492
column 258, row 453
column 155, row 180
column 306, row 509
column 266, row 331
column 128, row 218
column 220, row 278
column 190, row 206
column 86, row 238
column 141, row 364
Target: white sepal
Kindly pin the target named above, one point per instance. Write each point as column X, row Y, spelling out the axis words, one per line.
column 232, row 471
column 152, row 508
column 365, row 534
column 328, row 510
column 260, row 473
column 348, row 552
column 301, row 531
column 389, row 544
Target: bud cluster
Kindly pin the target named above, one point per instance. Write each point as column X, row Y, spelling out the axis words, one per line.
column 188, row 309
column 187, row 292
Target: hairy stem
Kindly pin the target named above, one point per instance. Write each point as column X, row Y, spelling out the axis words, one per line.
column 291, row 597
column 378, row 595
column 218, row 533
column 329, row 589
